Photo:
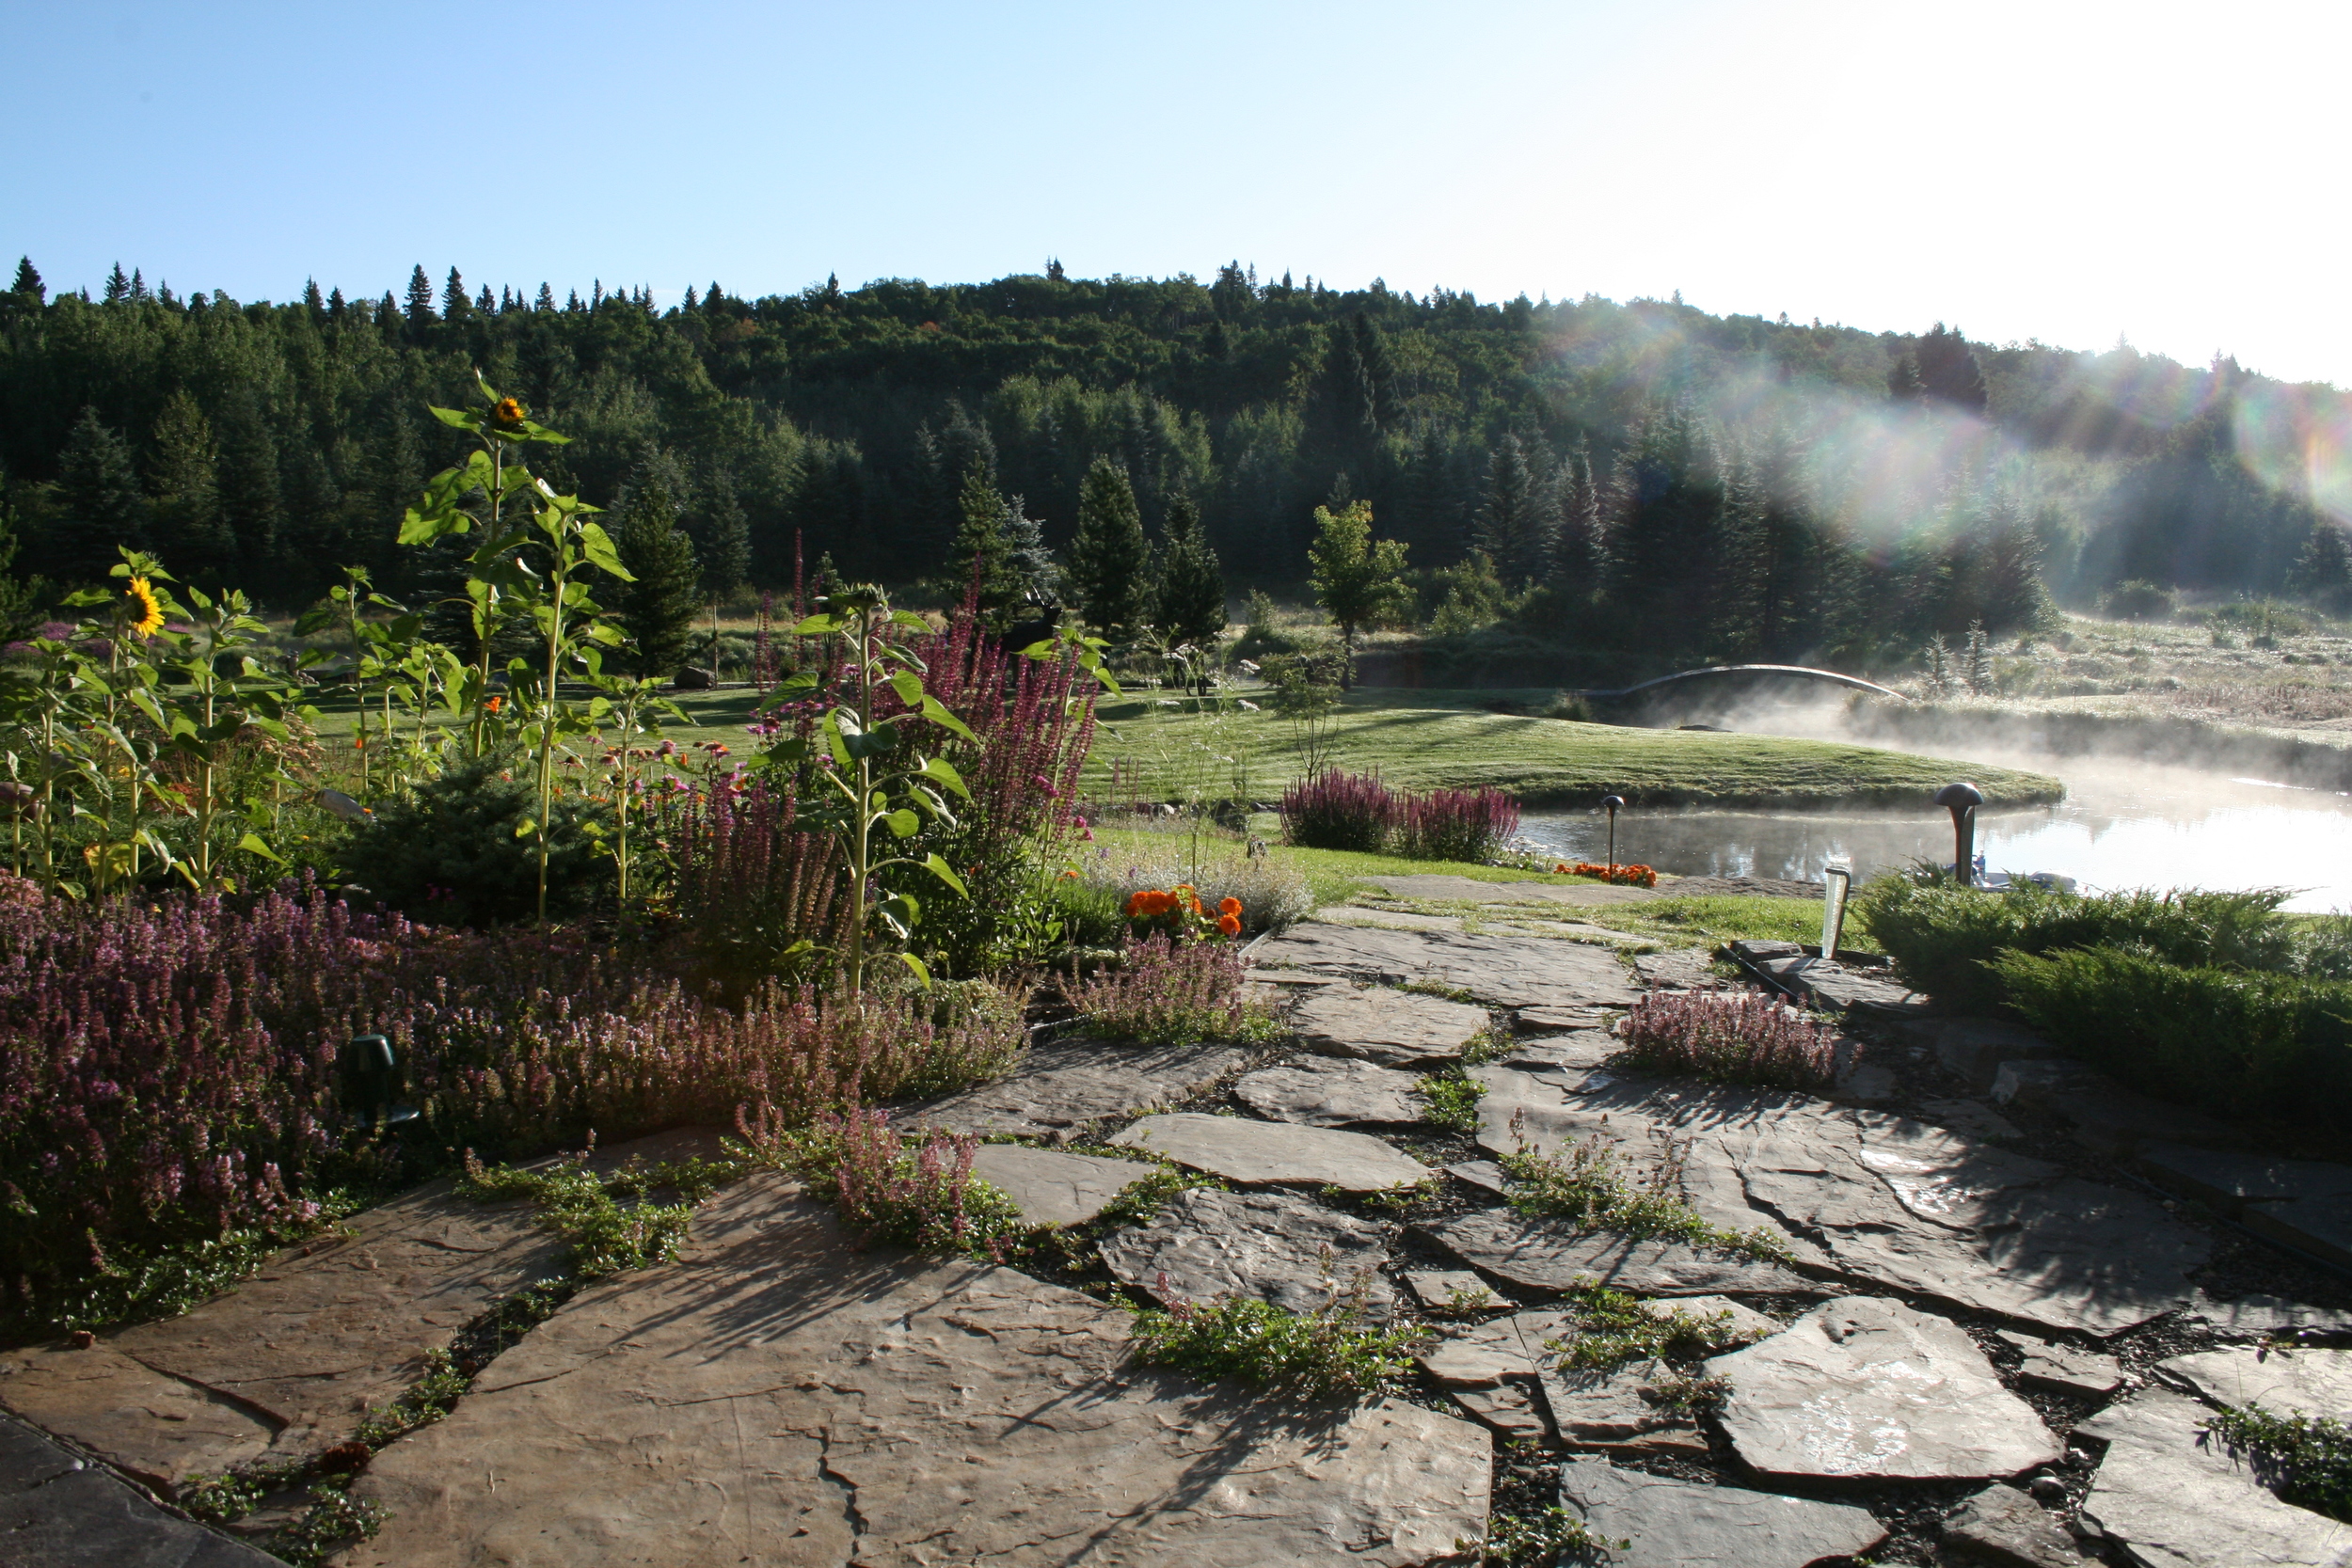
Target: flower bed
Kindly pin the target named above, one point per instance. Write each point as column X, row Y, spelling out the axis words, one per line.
column 1625, row 876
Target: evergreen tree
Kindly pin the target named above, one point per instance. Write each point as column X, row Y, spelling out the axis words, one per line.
column 724, row 541
column 246, row 478
column 311, row 299
column 183, row 468
column 1512, row 527
column 104, row 508
column 1356, row 578
column 657, row 610
column 118, row 286
column 1109, row 559
column 28, row 280
column 1191, row 587
column 1902, row 382
column 454, row 304
column 1949, row 372
column 1667, row 521
column 420, row 302
column 1575, row 544
column 981, row 553
column 2323, row 573
column 484, row 304
column 1031, row 561
column 545, row 300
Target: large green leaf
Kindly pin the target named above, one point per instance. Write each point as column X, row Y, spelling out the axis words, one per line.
column 946, row 873
column 599, row 547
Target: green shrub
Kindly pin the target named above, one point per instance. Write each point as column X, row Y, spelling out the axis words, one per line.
column 2237, row 1041
column 2307, row 1460
column 1942, row 936
column 2139, row 600
column 449, row 854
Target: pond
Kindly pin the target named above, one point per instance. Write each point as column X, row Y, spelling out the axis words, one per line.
column 2120, row 826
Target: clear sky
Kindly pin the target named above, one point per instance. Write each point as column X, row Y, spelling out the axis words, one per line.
column 2065, row 170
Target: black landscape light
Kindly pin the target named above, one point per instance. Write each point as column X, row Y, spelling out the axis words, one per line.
column 1613, row 803
column 1962, row 801
column 370, row 1082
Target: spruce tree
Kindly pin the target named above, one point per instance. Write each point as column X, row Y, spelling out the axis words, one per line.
column 657, row 610
column 183, row 468
column 1191, row 587
column 419, row 300
column 981, row 553
column 1512, row 528
column 104, row 508
column 28, row 280
column 1576, row 546
column 1109, row 559
column 118, row 286
column 454, row 304
column 1949, row 372
column 545, row 300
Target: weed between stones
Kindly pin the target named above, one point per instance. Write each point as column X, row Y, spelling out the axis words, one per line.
column 1451, row 1101
column 1169, row 993
column 1730, row 1038
column 1312, row 1355
column 1538, row 1540
column 2306, row 1459
column 915, row 1191
column 580, row 1206
column 1588, row 1190
column 1613, row 1327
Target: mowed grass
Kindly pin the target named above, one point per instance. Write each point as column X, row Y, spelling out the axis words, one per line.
column 1445, row 739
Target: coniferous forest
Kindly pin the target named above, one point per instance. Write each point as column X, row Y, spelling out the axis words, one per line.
column 1640, row 476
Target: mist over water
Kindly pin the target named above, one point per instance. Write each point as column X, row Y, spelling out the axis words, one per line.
column 2123, row 824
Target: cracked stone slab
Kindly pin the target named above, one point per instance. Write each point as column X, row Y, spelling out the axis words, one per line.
column 1050, row 1187
column 1299, row 1256
column 1541, row 1255
column 1619, row 1408
column 2317, row 1382
column 1065, row 1084
column 2174, row 1496
column 1269, row 1153
column 1438, row 1290
column 57, row 1510
column 1395, row 1028
column 1479, row 1356
column 2258, row 1317
column 777, row 1399
column 2009, row 1528
column 1866, row 1388
column 2064, row 1367
column 161, row 1428
column 1329, row 1091
column 1681, row 968
column 1679, row 1524
column 1510, row 971
column 1579, row 1052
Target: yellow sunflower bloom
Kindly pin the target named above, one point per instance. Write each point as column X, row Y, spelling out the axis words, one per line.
column 150, row 619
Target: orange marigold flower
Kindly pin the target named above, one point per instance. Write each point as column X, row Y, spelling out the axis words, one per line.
column 1135, row 904
column 1229, row 906
column 494, row 705
column 1229, row 923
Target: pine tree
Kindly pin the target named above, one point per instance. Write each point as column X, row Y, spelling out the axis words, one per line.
column 547, row 298
column 1191, row 587
column 312, row 300
column 1109, row 559
column 420, row 301
column 1512, row 527
column 657, row 610
column 692, row 301
column 28, row 280
column 104, row 508
column 982, row 552
column 118, row 286
column 1575, row 545
column 1949, row 372
column 1054, row 273
column 181, row 469
column 337, row 307
column 484, row 303
column 252, row 501
column 454, row 304
column 724, row 541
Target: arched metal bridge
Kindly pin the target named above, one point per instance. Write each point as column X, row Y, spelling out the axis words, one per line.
column 1797, row 671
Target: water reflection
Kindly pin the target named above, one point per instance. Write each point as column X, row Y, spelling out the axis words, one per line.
column 2120, row 826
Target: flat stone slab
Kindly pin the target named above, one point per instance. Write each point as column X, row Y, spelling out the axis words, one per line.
column 2302, row 1204
column 2103, row 1115
column 1866, row 1388
column 1329, row 1091
column 2317, row 1382
column 1972, row 1116
column 1975, row 1048
column 1468, row 890
column 1618, row 1409
column 1065, row 1084
column 2261, row 1317
column 1681, row 1524
column 1204, row 1244
column 1830, row 985
column 1510, row 971
column 1724, row 1325
column 777, row 1399
column 1579, row 1052
column 1395, row 1028
column 2064, row 1367
column 1480, row 1173
column 1452, row 1291
column 2176, row 1498
column 1274, row 1153
column 2007, row 1526
column 1479, row 1356
column 1541, row 1255
column 1050, row 1187
column 1681, row 968
column 58, row 1511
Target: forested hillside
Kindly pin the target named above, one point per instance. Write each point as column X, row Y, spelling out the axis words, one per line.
column 1731, row 483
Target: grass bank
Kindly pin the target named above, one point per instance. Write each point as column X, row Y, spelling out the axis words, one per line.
column 1452, row 739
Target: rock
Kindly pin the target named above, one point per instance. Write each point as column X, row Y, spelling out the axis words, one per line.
column 2232, row 1184
column 1279, row 1248
column 1867, row 1388
column 1579, row 1052
column 57, row 1510
column 1509, row 1408
column 1865, row 1084
column 1595, row 1018
column 2106, row 1117
column 1511, row 971
column 1479, row 1356
column 1480, row 1173
column 2004, row 1526
column 1452, row 1291
column 777, row 1399
column 1619, row 1409
column 2321, row 1227
column 2317, row 1382
column 1972, row 1116
column 1395, row 1028
column 2263, row 1317
column 1681, row 1524
column 1065, row 1084
column 1323, row 1091
column 2173, row 1497
column 2065, row 1369
column 1724, row 1325
column 160, row 1430
column 1266, row 1152
column 1831, row 985
column 1465, row 889
column 1052, row 1188
column 1542, row 1255
column 1683, row 968
column 1975, row 1048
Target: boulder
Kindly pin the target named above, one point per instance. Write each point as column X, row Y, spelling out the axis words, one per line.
column 1324, row 1091
column 1678, row 1523
column 1395, row 1028
column 1274, row 1153
column 1298, row 1255
column 2174, row 1498
column 1050, row 1187
column 1865, row 1389
column 1063, row 1084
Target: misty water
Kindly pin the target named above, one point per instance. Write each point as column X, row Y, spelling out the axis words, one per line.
column 2121, row 824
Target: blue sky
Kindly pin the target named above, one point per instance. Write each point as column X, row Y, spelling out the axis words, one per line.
column 2067, row 170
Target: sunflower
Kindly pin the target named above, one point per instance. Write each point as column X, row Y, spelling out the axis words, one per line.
column 150, row 619
column 508, row 412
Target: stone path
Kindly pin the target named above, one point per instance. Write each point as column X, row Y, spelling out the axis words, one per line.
column 1993, row 1339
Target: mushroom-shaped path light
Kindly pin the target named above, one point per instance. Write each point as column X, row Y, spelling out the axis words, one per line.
column 1962, row 801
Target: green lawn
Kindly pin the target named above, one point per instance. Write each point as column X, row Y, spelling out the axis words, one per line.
column 1148, row 750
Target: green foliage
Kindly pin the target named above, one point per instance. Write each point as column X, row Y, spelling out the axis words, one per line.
column 434, row 1395
column 1191, row 592
column 1552, row 1539
column 1319, row 1354
column 1449, row 1099
column 2236, row 1041
column 1611, row 1328
column 1589, row 1191
column 451, row 852
column 981, row 1034
column 657, row 609
column 1109, row 558
column 132, row 1285
column 2137, row 599
column 2306, row 1459
column 1139, row 1202
column 1357, row 579
column 334, row 1520
column 583, row 1208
